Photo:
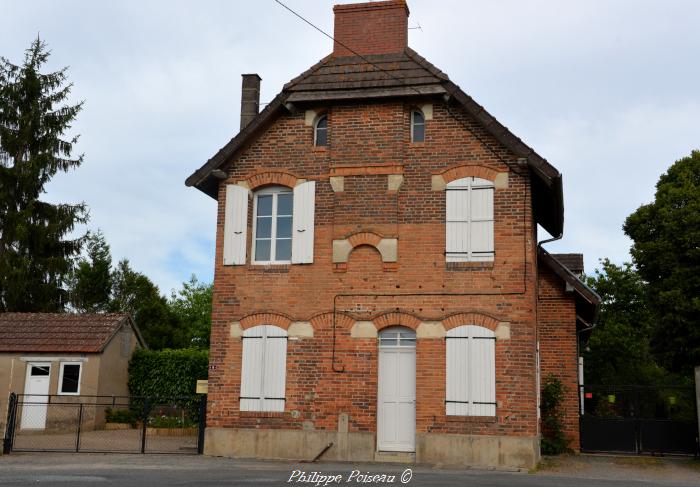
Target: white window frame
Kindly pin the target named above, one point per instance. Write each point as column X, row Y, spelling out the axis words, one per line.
column 470, row 184
column 413, row 124
column 274, row 191
column 60, row 379
column 318, row 120
column 470, row 334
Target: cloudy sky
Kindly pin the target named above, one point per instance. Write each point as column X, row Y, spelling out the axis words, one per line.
column 606, row 90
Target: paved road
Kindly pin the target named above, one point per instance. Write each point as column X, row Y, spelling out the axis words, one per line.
column 24, row 469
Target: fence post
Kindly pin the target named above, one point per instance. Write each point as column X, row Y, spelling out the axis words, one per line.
column 80, row 423
column 697, row 403
column 202, row 423
column 146, row 407
column 10, row 425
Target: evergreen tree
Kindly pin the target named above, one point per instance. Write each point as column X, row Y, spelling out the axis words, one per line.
column 134, row 293
column 35, row 255
column 91, row 283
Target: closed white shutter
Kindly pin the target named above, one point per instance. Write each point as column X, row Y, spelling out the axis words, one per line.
column 471, row 371
column 252, row 369
column 274, row 369
column 457, row 393
column 469, row 220
column 263, row 371
column 482, row 371
column 303, row 223
column 235, row 225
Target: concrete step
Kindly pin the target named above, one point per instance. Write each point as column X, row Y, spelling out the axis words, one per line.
column 395, row 457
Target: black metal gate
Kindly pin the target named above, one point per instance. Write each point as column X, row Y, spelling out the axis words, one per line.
column 105, row 424
column 639, row 419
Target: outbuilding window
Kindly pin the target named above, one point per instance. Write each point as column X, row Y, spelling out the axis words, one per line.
column 263, row 372
column 469, row 220
column 321, row 131
column 471, row 371
column 69, row 378
column 272, row 225
column 417, row 126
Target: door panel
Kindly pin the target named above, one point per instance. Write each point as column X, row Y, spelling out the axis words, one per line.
column 396, row 429
column 37, row 390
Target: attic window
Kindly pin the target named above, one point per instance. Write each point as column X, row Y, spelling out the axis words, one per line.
column 417, row 126
column 321, row 131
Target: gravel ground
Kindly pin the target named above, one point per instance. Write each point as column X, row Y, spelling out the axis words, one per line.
column 125, row 470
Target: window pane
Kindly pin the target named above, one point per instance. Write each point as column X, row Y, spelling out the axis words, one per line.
column 283, row 250
column 263, row 228
column 322, row 122
column 262, row 250
column 284, row 227
column 39, row 370
column 265, row 204
column 284, row 204
column 71, row 375
column 418, row 132
column 321, row 136
column 418, row 117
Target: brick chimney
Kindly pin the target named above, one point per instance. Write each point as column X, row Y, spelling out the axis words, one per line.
column 371, row 28
column 250, row 98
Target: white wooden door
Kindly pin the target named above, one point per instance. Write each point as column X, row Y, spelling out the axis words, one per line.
column 36, row 392
column 396, row 415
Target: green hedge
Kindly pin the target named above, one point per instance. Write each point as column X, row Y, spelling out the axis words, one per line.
column 167, row 373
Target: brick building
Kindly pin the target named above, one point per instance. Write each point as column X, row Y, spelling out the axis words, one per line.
column 379, row 284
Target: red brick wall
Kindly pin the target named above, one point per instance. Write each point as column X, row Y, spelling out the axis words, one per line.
column 370, row 28
column 558, row 345
column 378, row 134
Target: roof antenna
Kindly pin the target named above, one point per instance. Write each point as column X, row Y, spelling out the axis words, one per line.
column 414, row 28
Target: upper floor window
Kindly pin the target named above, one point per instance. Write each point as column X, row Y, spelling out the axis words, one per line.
column 321, row 131
column 417, row 126
column 272, row 225
column 469, row 220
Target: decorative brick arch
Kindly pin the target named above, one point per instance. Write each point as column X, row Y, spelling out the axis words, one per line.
column 265, row 178
column 396, row 318
column 325, row 320
column 468, row 170
column 387, row 247
column 364, row 238
column 275, row 319
column 478, row 319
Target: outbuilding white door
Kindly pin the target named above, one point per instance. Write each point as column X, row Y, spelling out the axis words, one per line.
column 396, row 416
column 36, row 392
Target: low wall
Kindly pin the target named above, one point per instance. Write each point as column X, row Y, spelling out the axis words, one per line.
column 443, row 449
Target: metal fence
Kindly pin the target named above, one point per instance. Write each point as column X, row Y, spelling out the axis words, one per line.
column 119, row 424
column 639, row 419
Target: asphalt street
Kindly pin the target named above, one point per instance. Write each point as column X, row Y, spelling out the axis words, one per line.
column 24, row 469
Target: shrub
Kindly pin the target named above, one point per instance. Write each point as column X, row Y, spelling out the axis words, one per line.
column 554, row 442
column 121, row 416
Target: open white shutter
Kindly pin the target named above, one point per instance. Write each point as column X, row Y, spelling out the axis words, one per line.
column 251, row 369
column 303, row 223
column 235, row 225
column 457, row 393
column 275, row 369
column 482, row 371
column 481, row 217
column 457, row 223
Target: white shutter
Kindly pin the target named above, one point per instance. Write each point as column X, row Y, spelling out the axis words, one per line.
column 252, row 369
column 303, row 223
column 274, row 369
column 482, row 371
column 457, row 223
column 457, row 393
column 235, row 225
column 481, row 218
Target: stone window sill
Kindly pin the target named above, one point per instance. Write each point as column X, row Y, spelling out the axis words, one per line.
column 261, row 414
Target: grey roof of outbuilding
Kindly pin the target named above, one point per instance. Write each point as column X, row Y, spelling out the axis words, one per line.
column 573, row 262
column 385, row 76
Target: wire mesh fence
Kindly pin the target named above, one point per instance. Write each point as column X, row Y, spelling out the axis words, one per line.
column 105, row 424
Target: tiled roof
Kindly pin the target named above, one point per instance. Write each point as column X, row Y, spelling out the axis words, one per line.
column 573, row 262
column 53, row 332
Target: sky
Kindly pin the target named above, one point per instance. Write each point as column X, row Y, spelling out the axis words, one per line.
column 608, row 91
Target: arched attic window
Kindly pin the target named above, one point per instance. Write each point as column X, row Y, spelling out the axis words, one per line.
column 417, row 126
column 321, row 131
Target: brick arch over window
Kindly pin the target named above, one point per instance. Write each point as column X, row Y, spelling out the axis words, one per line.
column 468, row 170
column 266, row 178
column 387, row 247
column 396, row 318
column 325, row 320
column 276, row 319
column 478, row 319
